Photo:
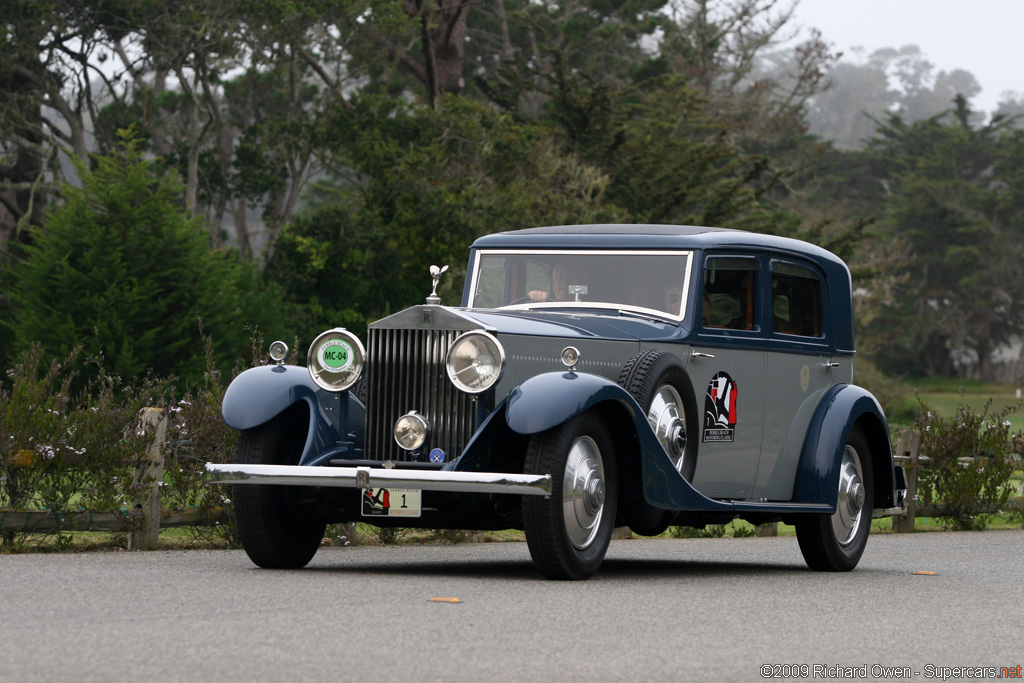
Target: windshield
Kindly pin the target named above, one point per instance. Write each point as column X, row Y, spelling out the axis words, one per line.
column 637, row 280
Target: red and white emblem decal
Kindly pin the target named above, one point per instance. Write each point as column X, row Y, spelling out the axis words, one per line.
column 720, row 409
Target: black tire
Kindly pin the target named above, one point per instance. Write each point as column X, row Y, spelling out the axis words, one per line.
column 644, row 377
column 276, row 531
column 568, row 533
column 834, row 543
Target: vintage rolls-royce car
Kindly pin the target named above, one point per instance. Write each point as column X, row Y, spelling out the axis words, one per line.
column 593, row 376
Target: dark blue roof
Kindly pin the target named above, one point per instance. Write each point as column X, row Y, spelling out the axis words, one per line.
column 640, row 236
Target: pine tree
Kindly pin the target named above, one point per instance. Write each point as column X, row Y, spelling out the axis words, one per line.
column 122, row 269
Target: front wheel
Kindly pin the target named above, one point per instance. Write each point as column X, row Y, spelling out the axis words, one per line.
column 834, row 543
column 568, row 533
column 277, row 530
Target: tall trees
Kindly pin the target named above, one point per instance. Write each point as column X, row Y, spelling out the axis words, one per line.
column 422, row 184
column 889, row 80
column 955, row 198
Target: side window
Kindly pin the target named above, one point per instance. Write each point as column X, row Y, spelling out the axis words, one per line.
column 730, row 293
column 796, row 300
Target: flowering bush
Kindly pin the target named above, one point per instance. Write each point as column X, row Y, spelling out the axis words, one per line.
column 972, row 457
column 66, row 449
column 197, row 434
column 63, row 451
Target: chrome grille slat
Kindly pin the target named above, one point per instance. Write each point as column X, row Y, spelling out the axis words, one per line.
column 406, row 371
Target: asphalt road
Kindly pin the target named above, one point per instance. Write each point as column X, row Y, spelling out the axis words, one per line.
column 678, row 610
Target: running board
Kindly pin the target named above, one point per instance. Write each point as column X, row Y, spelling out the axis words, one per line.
column 376, row 477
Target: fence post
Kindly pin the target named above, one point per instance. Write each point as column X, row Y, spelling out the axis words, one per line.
column 908, row 453
column 151, row 466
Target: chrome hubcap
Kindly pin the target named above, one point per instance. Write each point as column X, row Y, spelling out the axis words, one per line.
column 668, row 423
column 583, row 492
column 849, row 514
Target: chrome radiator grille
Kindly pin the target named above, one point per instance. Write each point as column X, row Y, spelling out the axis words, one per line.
column 406, row 371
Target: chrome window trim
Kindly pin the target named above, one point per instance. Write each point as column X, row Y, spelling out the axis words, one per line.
column 684, row 253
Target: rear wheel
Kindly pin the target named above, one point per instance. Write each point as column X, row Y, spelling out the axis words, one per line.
column 568, row 533
column 834, row 543
column 277, row 530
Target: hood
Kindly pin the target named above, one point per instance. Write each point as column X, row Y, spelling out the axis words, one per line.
column 595, row 324
column 580, row 324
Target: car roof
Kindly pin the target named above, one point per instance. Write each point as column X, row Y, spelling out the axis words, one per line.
column 647, row 236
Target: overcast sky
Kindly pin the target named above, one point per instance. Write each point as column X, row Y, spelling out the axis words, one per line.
column 985, row 37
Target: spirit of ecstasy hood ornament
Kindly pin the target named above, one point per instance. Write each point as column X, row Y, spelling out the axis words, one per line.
column 435, row 275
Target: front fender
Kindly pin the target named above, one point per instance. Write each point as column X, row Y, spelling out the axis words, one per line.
column 842, row 407
column 546, row 401
column 260, row 394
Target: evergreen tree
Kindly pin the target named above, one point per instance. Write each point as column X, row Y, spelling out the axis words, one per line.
column 122, row 269
column 955, row 199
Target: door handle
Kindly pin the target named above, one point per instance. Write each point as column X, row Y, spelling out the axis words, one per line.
column 698, row 354
column 830, row 364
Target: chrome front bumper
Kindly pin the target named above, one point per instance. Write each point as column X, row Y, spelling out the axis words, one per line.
column 373, row 477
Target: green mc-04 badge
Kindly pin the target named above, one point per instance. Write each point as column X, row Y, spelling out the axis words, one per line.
column 335, row 355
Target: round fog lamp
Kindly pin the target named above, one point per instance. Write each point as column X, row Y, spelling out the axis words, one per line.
column 335, row 359
column 411, row 431
column 475, row 362
column 278, row 352
column 570, row 357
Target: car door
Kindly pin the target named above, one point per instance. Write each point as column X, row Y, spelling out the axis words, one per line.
column 727, row 366
column 799, row 368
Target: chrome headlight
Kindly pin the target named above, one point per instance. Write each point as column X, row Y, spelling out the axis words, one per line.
column 335, row 359
column 475, row 362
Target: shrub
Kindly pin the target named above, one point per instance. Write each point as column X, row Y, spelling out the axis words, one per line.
column 122, row 270
column 894, row 396
column 196, row 434
column 971, row 461
column 65, row 450
column 62, row 451
column 710, row 531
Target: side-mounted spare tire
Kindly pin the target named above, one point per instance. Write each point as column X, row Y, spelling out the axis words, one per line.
column 661, row 386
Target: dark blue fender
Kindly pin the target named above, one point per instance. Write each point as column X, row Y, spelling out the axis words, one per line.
column 546, row 401
column 842, row 407
column 260, row 394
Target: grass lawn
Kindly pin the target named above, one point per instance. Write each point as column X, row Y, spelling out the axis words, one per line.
column 944, row 394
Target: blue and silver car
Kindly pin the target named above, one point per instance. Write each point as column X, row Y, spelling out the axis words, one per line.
column 593, row 376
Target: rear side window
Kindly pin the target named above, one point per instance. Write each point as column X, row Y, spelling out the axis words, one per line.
column 796, row 300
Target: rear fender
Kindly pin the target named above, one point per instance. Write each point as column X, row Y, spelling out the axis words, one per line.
column 842, row 407
column 548, row 400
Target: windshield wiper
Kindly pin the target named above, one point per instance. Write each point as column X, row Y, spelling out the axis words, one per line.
column 650, row 316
